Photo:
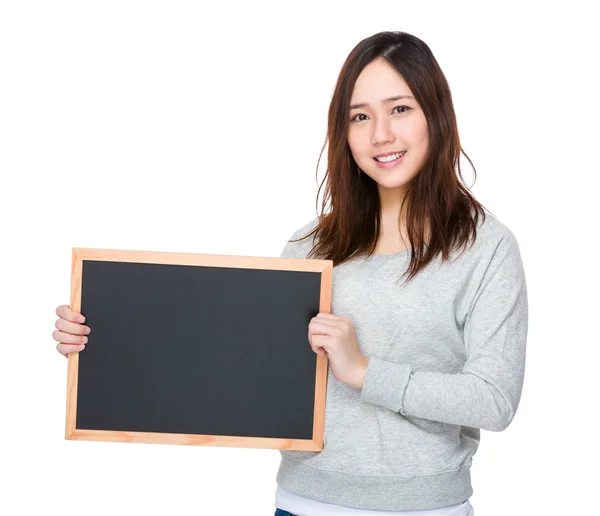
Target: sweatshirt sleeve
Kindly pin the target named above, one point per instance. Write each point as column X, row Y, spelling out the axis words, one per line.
column 486, row 393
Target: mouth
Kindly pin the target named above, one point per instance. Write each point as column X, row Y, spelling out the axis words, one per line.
column 390, row 160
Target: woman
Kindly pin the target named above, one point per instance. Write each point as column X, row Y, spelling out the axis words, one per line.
column 416, row 368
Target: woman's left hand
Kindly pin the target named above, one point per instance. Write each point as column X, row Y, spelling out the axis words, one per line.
column 336, row 336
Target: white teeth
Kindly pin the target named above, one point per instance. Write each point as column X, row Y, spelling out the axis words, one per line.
column 391, row 157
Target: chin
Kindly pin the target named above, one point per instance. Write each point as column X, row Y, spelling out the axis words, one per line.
column 391, row 181
column 392, row 186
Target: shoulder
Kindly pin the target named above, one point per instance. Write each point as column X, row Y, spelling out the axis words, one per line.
column 305, row 229
column 495, row 249
column 501, row 237
column 302, row 248
column 492, row 273
column 492, row 235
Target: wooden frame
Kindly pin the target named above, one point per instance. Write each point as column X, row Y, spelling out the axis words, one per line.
column 324, row 267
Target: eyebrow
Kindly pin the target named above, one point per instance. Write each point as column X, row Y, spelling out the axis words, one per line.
column 384, row 101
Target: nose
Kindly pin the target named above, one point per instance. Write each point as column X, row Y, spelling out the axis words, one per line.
column 382, row 132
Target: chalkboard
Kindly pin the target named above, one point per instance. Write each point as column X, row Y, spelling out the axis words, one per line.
column 198, row 349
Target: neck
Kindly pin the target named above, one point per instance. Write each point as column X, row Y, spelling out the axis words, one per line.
column 390, row 200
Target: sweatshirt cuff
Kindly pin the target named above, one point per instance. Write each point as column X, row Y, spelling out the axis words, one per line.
column 385, row 384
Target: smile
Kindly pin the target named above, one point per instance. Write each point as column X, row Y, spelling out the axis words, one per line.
column 390, row 161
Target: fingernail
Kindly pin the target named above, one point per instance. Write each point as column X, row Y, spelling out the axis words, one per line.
column 81, row 318
column 82, row 346
column 87, row 330
column 85, row 339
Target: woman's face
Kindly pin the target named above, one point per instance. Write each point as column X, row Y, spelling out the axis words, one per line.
column 381, row 126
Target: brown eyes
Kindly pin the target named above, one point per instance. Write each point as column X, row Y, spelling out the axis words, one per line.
column 353, row 119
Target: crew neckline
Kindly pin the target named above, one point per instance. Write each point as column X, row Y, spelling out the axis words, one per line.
column 383, row 257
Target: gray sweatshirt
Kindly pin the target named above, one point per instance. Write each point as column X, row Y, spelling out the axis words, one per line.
column 446, row 358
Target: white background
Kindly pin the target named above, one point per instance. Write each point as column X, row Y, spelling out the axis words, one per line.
column 171, row 126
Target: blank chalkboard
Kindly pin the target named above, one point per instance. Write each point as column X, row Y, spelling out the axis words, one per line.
column 198, row 349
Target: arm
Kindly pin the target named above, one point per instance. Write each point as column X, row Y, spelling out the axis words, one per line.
column 487, row 392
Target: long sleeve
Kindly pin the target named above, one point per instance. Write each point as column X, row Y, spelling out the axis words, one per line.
column 487, row 392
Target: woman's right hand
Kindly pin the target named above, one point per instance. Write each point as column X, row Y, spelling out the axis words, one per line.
column 70, row 334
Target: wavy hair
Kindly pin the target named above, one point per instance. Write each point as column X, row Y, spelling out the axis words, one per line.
column 435, row 202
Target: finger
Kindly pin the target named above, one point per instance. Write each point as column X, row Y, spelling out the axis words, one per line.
column 318, row 327
column 312, row 333
column 324, row 328
column 67, row 338
column 318, row 350
column 71, row 327
column 65, row 349
column 332, row 323
column 334, row 320
column 66, row 313
column 318, row 343
column 330, row 317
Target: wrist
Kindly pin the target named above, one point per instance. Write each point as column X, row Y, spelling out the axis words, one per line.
column 361, row 372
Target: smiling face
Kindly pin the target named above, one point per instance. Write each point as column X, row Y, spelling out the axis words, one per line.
column 383, row 123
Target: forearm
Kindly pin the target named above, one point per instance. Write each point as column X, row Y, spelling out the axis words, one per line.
column 465, row 399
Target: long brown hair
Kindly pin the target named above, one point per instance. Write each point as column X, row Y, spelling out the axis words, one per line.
column 435, row 198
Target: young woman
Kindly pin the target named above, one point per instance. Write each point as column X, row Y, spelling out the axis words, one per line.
column 417, row 367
